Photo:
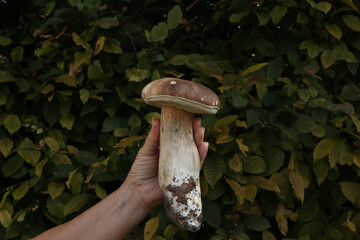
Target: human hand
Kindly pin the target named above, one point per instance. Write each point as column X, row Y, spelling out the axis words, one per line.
column 143, row 176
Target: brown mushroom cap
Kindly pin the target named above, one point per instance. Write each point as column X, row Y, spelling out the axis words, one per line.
column 182, row 94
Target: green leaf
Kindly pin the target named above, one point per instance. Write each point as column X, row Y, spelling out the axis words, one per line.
column 4, row 41
column 108, row 22
column 12, row 165
column 12, row 123
column 236, row 17
column 5, row 146
column 323, row 7
column 6, row 77
column 212, row 214
column 214, row 170
column 159, row 32
column 86, row 158
column 39, row 167
column 277, row 13
column 352, row 22
column 149, row 116
column 55, row 189
column 5, row 217
column 84, row 95
column 75, row 203
column 351, row 191
column 274, row 158
column 297, row 184
column 100, row 192
column 323, row 148
column 345, row 55
column 76, row 183
column 351, row 5
column 29, row 151
column 254, row 165
column 258, row 223
column 264, row 183
column 17, row 54
column 150, row 228
column 49, row 8
column 334, row 30
column 20, row 191
column 253, row 69
column 112, row 45
column 327, row 58
column 266, row 48
column 66, row 79
column 318, row 131
column 266, row 235
column 174, row 17
column 67, row 121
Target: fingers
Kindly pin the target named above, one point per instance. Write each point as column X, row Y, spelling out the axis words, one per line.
column 151, row 146
column 199, row 133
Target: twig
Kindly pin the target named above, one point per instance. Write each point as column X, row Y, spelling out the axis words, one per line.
column 181, row 27
column 131, row 40
column 191, row 6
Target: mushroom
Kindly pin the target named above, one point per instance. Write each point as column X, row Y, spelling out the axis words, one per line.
column 179, row 162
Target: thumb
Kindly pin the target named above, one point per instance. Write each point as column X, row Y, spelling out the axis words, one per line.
column 151, row 146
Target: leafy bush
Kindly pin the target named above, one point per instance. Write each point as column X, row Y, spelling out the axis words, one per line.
column 284, row 159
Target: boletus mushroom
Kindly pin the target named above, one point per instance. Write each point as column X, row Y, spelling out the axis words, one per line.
column 179, row 162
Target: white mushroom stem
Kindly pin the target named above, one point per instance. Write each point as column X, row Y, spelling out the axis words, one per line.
column 179, row 167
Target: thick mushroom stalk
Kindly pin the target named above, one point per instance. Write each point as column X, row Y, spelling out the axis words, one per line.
column 179, row 167
column 179, row 162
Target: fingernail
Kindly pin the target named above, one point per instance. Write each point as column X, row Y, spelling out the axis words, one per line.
column 203, row 130
column 152, row 121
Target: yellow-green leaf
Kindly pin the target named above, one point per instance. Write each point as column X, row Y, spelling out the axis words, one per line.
column 174, row 17
column 268, row 236
column 150, row 228
column 323, row 148
column 297, row 184
column 79, row 41
column 352, row 22
column 17, row 54
column 5, row 218
column 351, row 5
column 108, row 22
column 159, row 32
column 5, row 146
column 356, row 122
column 52, row 144
column 4, row 41
column 277, row 13
column 84, row 95
column 39, row 167
column 55, row 189
column 75, row 203
column 351, row 191
column 99, row 45
column 281, row 219
column 253, row 69
column 170, row 231
column 66, row 79
column 235, row 163
column 249, row 192
column 236, row 187
column 21, row 190
column 67, row 121
column 100, row 192
column 323, row 7
column 327, row 58
column 112, row 45
column 264, row 183
column 47, row 89
column 12, row 123
column 29, row 151
column 334, row 30
column 243, row 148
column 81, row 58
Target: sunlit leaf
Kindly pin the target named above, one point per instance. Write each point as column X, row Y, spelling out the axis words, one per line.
column 150, row 228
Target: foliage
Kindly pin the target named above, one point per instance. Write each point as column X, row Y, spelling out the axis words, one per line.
column 284, row 159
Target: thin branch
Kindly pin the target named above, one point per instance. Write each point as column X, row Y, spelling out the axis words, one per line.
column 191, row 6
column 181, row 27
column 131, row 40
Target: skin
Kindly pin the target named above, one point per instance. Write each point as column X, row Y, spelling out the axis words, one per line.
column 116, row 215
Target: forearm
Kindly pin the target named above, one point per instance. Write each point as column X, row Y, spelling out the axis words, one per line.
column 112, row 218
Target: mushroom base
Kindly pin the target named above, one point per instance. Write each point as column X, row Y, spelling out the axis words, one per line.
column 179, row 168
